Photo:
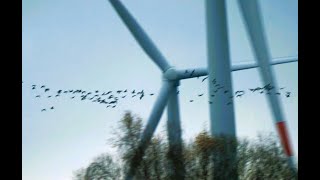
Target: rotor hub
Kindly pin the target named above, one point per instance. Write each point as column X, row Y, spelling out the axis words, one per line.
column 170, row 74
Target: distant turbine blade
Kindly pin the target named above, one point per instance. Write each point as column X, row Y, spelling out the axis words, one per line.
column 139, row 34
column 153, row 121
column 251, row 15
column 254, row 64
column 174, row 136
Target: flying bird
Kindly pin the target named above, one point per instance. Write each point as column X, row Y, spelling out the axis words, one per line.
column 192, row 72
column 288, row 94
column 151, row 94
column 47, row 89
column 37, row 96
column 43, row 110
column 191, row 100
column 42, row 86
column 200, row 95
column 52, row 107
column 204, row 78
column 239, row 92
column 141, row 96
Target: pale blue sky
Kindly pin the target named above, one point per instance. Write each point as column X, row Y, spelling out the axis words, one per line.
column 72, row 44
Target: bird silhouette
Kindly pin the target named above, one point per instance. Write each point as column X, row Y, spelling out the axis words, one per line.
column 239, row 92
column 288, row 94
column 192, row 72
column 72, row 97
column 125, row 91
column 200, row 95
column 204, row 78
column 52, row 107
column 191, row 100
column 37, row 96
column 141, row 96
column 133, row 92
column 49, row 96
column 229, row 103
column 42, row 86
column 97, row 91
column 210, row 102
column 226, row 91
column 119, row 91
column 151, row 94
column 123, row 96
column 112, row 102
column 43, row 110
column 47, row 89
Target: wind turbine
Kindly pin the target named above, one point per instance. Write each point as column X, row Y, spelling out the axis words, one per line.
column 170, row 81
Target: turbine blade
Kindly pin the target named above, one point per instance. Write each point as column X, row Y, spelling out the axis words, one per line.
column 152, row 124
column 187, row 73
column 174, row 137
column 251, row 15
column 254, row 64
column 145, row 42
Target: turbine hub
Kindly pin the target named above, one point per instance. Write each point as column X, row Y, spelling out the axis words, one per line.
column 170, row 74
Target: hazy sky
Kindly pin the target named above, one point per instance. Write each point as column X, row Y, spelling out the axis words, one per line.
column 82, row 44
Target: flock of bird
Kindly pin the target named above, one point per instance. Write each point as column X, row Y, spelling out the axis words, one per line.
column 111, row 98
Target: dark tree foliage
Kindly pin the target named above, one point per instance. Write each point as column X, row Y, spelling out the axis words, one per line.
column 255, row 160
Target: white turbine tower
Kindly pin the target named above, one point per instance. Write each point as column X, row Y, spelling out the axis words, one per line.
column 221, row 123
